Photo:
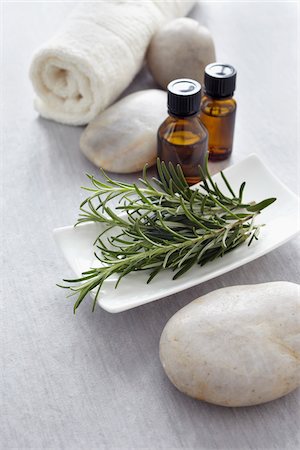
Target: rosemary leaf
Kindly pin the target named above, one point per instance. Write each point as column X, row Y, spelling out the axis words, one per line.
column 164, row 225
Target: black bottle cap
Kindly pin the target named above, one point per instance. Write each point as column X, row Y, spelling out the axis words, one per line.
column 184, row 97
column 219, row 80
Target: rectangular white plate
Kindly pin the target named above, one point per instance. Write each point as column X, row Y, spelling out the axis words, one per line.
column 281, row 219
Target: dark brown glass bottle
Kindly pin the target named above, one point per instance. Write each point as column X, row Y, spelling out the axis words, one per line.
column 182, row 139
column 218, row 109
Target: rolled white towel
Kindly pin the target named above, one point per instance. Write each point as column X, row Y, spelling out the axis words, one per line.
column 95, row 55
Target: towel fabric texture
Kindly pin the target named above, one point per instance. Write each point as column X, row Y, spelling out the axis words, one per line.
column 95, row 56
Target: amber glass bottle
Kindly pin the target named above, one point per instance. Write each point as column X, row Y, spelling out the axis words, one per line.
column 218, row 109
column 182, row 139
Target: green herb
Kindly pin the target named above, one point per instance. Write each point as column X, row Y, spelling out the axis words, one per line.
column 166, row 225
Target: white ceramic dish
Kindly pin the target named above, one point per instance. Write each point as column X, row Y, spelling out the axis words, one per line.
column 281, row 219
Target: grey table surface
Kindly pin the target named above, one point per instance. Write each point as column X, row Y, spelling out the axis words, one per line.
column 95, row 380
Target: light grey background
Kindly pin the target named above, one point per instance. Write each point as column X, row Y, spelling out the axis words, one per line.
column 95, row 380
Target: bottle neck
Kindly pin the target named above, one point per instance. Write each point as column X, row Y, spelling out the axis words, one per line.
column 186, row 117
column 218, row 97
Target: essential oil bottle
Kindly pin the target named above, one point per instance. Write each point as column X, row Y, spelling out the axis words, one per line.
column 218, row 108
column 182, row 139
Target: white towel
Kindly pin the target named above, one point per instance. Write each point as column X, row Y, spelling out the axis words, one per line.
column 94, row 57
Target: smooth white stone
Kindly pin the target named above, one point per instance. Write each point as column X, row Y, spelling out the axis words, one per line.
column 122, row 139
column 181, row 49
column 236, row 346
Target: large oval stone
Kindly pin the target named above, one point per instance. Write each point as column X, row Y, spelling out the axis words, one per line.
column 236, row 346
column 122, row 139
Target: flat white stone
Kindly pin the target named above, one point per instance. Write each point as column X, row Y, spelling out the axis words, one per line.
column 122, row 139
column 236, row 346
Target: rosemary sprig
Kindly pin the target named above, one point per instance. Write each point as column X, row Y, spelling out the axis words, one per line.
column 165, row 225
